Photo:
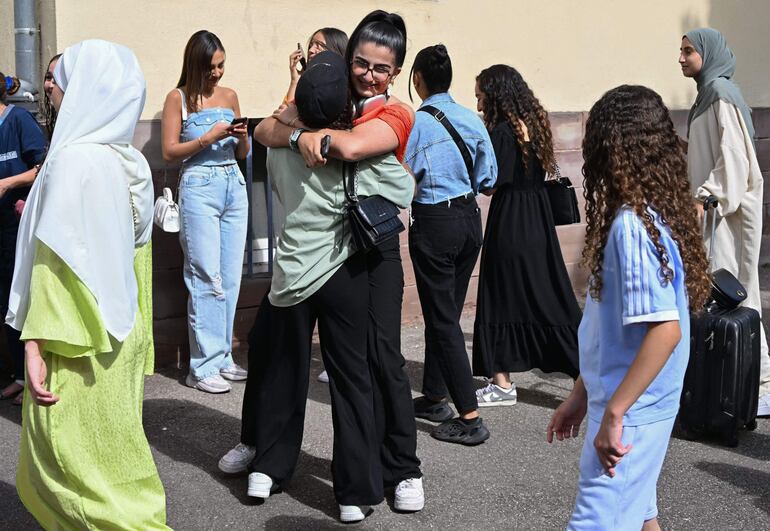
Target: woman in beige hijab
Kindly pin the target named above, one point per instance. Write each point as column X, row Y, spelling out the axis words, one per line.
column 722, row 162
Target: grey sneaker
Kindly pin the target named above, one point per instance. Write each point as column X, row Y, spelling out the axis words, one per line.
column 212, row 384
column 237, row 459
column 494, row 395
column 234, row 373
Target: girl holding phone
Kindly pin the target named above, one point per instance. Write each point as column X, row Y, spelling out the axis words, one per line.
column 331, row 39
column 198, row 130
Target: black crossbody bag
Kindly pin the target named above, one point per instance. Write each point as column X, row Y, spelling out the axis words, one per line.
column 443, row 120
column 373, row 219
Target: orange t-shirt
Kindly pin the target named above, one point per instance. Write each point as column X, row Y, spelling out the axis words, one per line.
column 398, row 118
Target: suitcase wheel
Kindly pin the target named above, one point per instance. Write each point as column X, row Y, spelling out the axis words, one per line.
column 751, row 426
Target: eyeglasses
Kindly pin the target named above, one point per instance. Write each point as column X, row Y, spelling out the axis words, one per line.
column 361, row 67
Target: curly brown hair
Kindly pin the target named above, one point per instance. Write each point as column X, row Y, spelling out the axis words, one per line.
column 633, row 158
column 508, row 98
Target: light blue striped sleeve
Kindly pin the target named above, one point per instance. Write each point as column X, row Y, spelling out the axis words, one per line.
column 647, row 296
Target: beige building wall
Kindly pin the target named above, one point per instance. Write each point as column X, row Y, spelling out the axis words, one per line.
column 569, row 51
column 48, row 45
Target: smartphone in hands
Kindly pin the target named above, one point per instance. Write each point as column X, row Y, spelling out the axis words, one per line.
column 326, row 143
column 302, row 60
column 239, row 121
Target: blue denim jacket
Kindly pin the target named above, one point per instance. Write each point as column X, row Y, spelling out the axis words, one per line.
column 436, row 162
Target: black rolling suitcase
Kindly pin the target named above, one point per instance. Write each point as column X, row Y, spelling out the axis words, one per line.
column 721, row 384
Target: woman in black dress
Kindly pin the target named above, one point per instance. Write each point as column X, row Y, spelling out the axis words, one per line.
column 527, row 315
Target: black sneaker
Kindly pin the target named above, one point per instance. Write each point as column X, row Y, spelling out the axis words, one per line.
column 427, row 409
column 469, row 433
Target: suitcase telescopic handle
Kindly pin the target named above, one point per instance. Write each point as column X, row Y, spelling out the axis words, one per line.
column 710, row 204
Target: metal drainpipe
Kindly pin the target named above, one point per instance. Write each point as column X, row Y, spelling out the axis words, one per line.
column 27, row 41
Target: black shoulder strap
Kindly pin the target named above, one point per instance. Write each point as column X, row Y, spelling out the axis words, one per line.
column 443, row 120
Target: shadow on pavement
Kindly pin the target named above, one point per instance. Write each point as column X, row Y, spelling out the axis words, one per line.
column 755, row 483
column 10, row 412
column 751, row 443
column 192, row 433
column 13, row 511
column 300, row 523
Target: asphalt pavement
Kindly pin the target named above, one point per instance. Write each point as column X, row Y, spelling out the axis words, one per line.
column 513, row 481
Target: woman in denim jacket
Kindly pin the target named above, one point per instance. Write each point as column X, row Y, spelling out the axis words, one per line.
column 445, row 240
column 214, row 206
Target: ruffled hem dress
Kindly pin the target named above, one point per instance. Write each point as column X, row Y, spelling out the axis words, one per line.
column 527, row 315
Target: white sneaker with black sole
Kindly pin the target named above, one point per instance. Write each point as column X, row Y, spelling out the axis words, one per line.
column 260, row 485
column 234, row 373
column 214, row 384
column 409, row 495
column 494, row 395
column 237, row 460
column 353, row 513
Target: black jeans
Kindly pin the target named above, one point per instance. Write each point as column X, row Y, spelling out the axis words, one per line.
column 393, row 408
column 9, row 227
column 276, row 391
column 444, row 243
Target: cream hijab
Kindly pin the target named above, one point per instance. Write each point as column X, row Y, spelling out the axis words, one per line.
column 91, row 203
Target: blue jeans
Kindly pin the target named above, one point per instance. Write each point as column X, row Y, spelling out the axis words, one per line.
column 214, row 212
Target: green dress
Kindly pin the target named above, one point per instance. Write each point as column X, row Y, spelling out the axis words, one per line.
column 84, row 463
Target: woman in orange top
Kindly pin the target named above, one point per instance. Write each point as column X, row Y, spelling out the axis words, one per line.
column 375, row 55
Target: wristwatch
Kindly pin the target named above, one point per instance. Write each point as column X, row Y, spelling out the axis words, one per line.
column 294, row 138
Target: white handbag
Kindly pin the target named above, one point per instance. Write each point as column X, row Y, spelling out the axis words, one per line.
column 166, row 214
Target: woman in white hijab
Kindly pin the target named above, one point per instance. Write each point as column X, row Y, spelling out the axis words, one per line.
column 721, row 161
column 81, row 297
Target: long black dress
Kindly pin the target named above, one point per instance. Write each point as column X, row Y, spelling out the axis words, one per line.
column 527, row 315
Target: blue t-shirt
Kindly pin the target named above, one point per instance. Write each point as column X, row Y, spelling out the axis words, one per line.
column 611, row 332
column 22, row 145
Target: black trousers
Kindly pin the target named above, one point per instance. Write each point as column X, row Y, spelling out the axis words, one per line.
column 444, row 243
column 393, row 408
column 9, row 227
column 276, row 391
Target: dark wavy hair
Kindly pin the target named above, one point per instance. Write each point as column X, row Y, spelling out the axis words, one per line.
column 383, row 29
column 633, row 158
column 435, row 67
column 197, row 65
column 49, row 112
column 336, row 40
column 3, row 88
column 508, row 98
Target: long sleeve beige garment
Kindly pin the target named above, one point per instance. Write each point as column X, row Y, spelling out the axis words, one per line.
column 722, row 162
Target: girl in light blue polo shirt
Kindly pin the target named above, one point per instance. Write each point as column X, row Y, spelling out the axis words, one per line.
column 648, row 268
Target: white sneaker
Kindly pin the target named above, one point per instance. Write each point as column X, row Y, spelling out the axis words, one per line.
column 763, row 409
column 323, row 377
column 260, row 485
column 353, row 513
column 211, row 384
column 494, row 395
column 237, row 459
column 409, row 495
column 234, row 373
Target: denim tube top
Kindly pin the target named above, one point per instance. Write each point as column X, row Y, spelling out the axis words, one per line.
column 221, row 153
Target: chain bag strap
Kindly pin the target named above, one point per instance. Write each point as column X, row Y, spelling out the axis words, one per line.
column 563, row 198
column 373, row 219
